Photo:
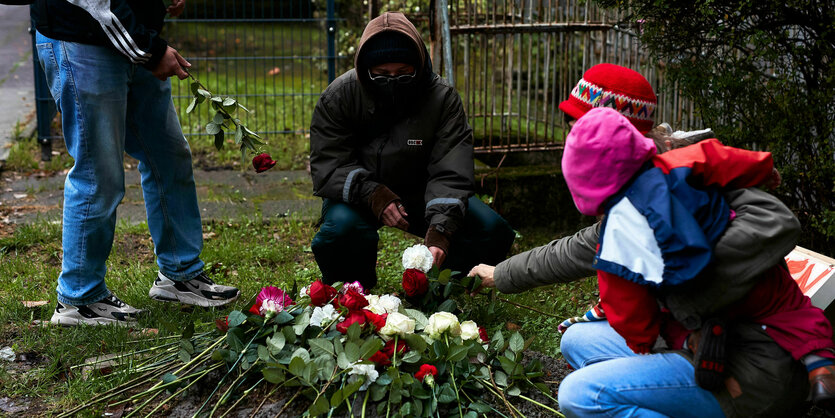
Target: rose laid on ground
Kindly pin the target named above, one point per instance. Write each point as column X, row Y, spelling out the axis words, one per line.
column 262, row 162
column 397, row 324
column 381, row 359
column 388, row 348
column 320, row 293
column 483, row 334
column 441, row 322
column 323, row 315
column 353, row 317
column 379, row 321
column 415, row 283
column 427, row 373
column 353, row 300
column 270, row 300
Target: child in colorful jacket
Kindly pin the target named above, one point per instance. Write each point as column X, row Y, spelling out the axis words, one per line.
column 664, row 214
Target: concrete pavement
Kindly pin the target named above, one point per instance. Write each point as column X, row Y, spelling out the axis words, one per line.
column 17, row 88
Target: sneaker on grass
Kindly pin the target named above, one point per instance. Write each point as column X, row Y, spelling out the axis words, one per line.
column 200, row 291
column 110, row 310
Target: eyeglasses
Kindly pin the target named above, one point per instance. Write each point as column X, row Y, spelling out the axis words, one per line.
column 386, row 79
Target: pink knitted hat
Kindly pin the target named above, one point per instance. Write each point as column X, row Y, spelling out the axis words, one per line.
column 602, row 152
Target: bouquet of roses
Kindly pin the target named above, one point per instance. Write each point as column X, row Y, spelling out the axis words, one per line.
column 339, row 349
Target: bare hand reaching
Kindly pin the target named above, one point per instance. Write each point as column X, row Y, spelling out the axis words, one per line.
column 485, row 272
column 438, row 256
column 171, row 64
column 394, row 215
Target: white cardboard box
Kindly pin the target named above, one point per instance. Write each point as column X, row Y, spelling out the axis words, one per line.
column 815, row 274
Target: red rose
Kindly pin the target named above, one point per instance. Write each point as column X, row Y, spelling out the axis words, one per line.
column 388, row 349
column 415, row 282
column 222, row 324
column 353, row 300
column 256, row 309
column 483, row 334
column 353, row 317
column 379, row 321
column 320, row 293
column 380, row 358
column 262, row 162
column 426, row 369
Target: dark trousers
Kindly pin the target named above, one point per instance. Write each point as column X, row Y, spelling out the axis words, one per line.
column 346, row 245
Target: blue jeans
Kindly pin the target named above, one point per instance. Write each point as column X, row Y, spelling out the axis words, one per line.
column 110, row 106
column 346, row 245
column 612, row 381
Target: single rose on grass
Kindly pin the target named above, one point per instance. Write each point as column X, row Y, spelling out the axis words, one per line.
column 262, row 162
column 426, row 374
column 320, row 293
column 441, row 322
column 397, row 324
column 417, row 257
column 415, row 283
column 270, row 301
column 353, row 300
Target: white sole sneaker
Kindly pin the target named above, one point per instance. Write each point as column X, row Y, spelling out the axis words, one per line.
column 199, row 291
column 108, row 311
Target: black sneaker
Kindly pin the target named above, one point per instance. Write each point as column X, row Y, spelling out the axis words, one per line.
column 200, row 291
column 109, row 310
column 710, row 355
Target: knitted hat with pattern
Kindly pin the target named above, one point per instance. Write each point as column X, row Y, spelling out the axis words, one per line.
column 610, row 85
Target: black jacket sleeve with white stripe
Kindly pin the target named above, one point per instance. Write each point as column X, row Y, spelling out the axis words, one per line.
column 131, row 27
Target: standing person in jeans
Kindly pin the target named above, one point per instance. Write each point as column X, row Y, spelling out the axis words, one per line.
column 611, row 380
column 108, row 69
column 390, row 145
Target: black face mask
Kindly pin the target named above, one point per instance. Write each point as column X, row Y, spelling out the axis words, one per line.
column 398, row 91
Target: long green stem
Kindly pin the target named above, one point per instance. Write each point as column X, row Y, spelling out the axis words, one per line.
column 557, row 413
column 452, row 378
column 243, row 396
column 365, row 402
column 231, row 369
column 165, row 401
column 107, row 395
column 225, row 394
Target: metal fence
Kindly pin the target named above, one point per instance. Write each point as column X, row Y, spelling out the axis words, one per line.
column 275, row 57
column 515, row 60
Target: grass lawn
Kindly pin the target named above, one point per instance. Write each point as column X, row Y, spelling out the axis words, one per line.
column 252, row 253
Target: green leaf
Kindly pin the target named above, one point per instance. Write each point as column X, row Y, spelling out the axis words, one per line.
column 229, row 101
column 470, row 414
column 276, row 342
column 204, row 93
column 497, row 342
column 349, row 389
column 419, row 317
column 186, row 346
column 457, row 353
column 195, row 87
column 302, row 322
column 319, row 407
column 239, row 134
column 218, row 118
column 406, row 409
column 416, row 342
column 219, row 140
column 273, row 374
column 509, row 366
column 448, row 289
column 321, row 346
column 354, row 332
column 217, row 100
column 219, row 355
column 446, row 394
column 191, row 105
column 264, row 353
column 301, row 353
column 236, row 318
column 352, row 351
column 282, row 318
column 184, row 356
column 501, row 378
column 188, row 332
column 517, row 343
column 342, row 361
column 448, row 305
column 514, row 391
column 212, row 128
column 480, row 407
column 384, row 379
column 325, row 365
column 168, row 378
column 245, row 109
column 378, row 392
column 233, row 338
column 370, row 346
column 443, row 277
column 411, row 357
column 250, row 132
column 297, row 366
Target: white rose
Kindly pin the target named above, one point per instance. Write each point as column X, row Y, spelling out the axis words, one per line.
column 441, row 322
column 398, row 324
column 469, row 330
column 385, row 304
column 417, row 257
column 366, row 370
column 323, row 315
column 304, row 292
